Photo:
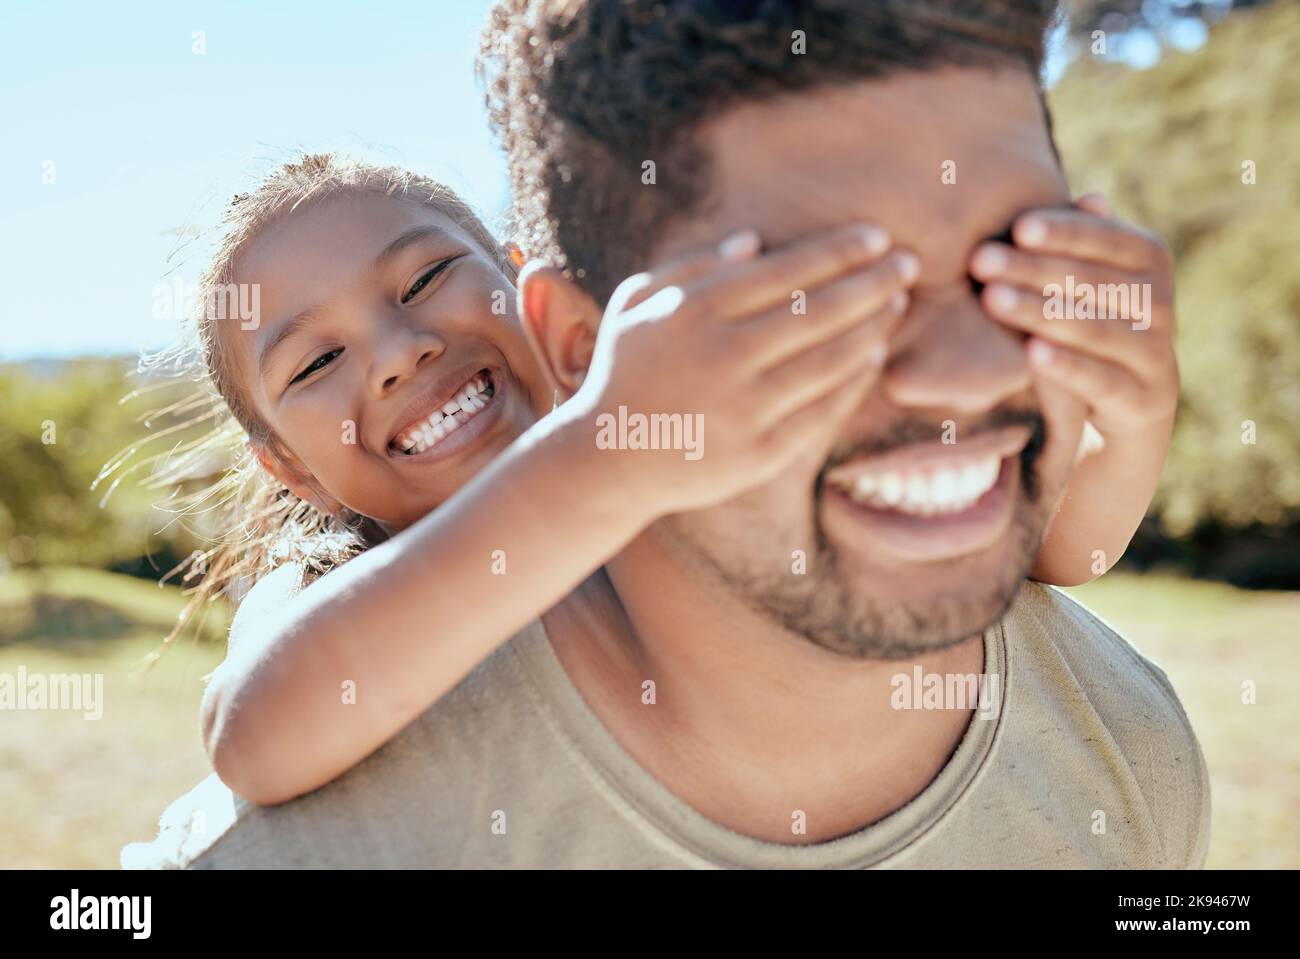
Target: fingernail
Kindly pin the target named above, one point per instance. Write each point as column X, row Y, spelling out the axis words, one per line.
column 909, row 266
column 1040, row 353
column 874, row 239
column 1032, row 231
column 990, row 259
column 877, row 354
column 898, row 301
column 1000, row 298
column 739, row 245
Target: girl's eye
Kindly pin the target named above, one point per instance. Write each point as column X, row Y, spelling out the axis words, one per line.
column 426, row 279
column 319, row 363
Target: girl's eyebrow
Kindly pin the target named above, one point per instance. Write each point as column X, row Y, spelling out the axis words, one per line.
column 280, row 336
column 411, row 237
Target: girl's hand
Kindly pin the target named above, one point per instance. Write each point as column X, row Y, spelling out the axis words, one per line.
column 1120, row 363
column 758, row 357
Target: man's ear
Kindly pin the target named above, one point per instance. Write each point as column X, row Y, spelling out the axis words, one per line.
column 560, row 321
column 299, row 481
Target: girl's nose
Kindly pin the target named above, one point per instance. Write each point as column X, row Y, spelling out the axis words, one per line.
column 400, row 349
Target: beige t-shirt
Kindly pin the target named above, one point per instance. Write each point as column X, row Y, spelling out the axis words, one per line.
column 1088, row 760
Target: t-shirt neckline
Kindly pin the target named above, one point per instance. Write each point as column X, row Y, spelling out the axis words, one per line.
column 710, row 843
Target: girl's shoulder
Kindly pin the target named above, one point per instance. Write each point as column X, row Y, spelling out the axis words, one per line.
column 268, row 596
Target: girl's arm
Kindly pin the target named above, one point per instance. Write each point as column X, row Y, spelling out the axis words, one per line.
column 403, row 623
column 1104, row 503
column 406, row 621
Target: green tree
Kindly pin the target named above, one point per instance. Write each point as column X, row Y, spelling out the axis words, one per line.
column 1202, row 149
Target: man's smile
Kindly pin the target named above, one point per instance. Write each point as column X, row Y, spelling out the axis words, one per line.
column 930, row 501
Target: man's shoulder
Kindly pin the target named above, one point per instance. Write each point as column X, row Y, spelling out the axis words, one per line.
column 426, row 771
column 1096, row 651
column 1086, row 666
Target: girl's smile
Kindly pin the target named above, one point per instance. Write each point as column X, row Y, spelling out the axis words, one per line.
column 448, row 422
column 382, row 367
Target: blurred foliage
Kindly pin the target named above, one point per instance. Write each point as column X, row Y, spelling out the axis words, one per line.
column 1120, row 16
column 1168, row 147
column 59, row 424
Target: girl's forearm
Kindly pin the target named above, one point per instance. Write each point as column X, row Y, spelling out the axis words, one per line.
column 1104, row 503
column 369, row 647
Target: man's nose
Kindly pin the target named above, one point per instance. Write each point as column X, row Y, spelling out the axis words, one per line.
column 399, row 348
column 949, row 355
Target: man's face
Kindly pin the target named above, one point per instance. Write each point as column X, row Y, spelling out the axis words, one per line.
column 943, row 160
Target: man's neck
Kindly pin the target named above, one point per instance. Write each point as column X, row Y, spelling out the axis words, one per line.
column 746, row 721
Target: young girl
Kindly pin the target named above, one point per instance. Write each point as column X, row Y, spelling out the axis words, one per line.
column 397, row 421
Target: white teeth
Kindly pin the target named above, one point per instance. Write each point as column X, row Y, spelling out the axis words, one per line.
column 918, row 488
column 945, row 486
column 927, row 492
column 977, row 477
column 468, row 401
column 891, row 489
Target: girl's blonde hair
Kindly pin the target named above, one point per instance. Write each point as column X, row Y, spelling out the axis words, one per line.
column 256, row 524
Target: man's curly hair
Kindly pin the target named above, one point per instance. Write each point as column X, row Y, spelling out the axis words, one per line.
column 583, row 92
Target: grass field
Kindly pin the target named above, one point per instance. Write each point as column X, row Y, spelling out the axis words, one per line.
column 1210, row 639
column 76, row 790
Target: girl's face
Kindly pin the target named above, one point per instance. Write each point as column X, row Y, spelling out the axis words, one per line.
column 387, row 357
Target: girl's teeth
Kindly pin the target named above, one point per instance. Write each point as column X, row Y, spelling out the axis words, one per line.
column 467, row 402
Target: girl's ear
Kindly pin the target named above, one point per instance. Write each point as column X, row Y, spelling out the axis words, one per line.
column 560, row 321
column 299, row 481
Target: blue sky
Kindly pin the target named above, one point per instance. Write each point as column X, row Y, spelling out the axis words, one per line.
column 147, row 138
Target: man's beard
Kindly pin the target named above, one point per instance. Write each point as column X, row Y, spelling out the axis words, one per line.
column 826, row 606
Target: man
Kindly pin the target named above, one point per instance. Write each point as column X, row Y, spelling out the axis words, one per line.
column 735, row 688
